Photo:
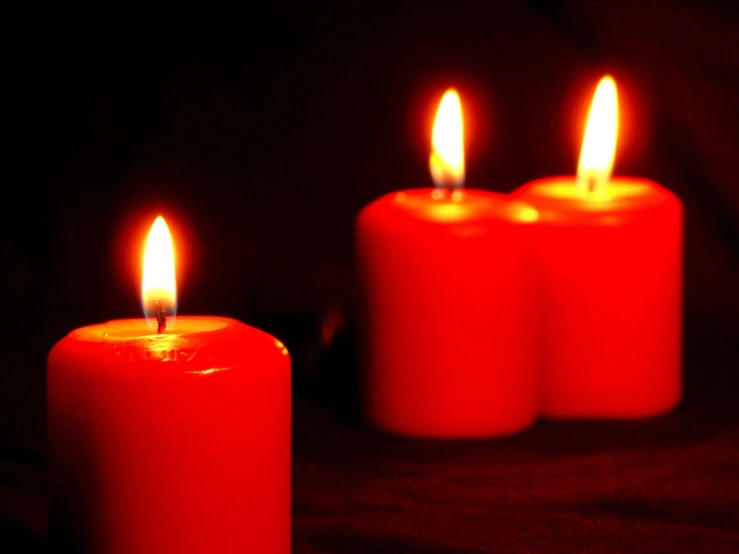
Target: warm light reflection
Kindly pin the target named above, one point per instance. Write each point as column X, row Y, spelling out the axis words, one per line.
column 599, row 144
column 332, row 321
column 447, row 142
column 158, row 285
column 282, row 348
column 449, row 211
column 524, row 213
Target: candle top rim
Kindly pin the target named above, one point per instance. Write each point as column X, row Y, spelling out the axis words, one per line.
column 623, row 194
column 620, row 187
column 199, row 344
column 461, row 206
column 139, row 329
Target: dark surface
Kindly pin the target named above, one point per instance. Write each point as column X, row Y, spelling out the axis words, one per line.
column 663, row 486
column 260, row 132
column 669, row 484
column 666, row 485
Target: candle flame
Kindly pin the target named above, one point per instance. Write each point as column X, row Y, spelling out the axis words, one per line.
column 447, row 141
column 599, row 144
column 158, row 284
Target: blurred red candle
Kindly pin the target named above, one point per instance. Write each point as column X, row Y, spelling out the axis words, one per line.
column 170, row 441
column 609, row 256
column 448, row 341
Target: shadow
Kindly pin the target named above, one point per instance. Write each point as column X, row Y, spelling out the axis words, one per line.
column 16, row 539
column 322, row 346
column 336, row 380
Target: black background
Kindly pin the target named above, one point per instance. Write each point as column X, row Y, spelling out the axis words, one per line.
column 260, row 130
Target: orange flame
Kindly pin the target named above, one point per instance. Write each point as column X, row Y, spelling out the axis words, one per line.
column 158, row 282
column 599, row 144
column 447, row 141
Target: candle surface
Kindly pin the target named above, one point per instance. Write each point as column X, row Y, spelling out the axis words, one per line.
column 609, row 261
column 449, row 341
column 609, row 265
column 175, row 442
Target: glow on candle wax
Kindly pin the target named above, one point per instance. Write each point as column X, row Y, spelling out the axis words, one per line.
column 447, row 302
column 608, row 256
column 447, row 143
column 599, row 143
column 158, row 283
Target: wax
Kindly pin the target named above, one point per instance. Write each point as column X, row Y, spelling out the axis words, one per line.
column 169, row 443
column 449, row 329
column 610, row 281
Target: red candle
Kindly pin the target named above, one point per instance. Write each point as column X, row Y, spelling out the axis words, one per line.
column 174, row 439
column 448, row 338
column 609, row 257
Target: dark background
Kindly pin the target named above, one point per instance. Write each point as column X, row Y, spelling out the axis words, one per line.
column 259, row 132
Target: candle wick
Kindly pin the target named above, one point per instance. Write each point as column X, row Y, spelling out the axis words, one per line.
column 448, row 189
column 592, row 183
column 160, row 315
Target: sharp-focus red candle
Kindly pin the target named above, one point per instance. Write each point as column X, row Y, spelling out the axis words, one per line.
column 448, row 339
column 176, row 441
column 609, row 260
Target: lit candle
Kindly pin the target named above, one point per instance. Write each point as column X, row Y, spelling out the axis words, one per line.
column 447, row 340
column 609, row 255
column 169, row 436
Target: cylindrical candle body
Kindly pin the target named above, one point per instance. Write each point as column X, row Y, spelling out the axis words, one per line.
column 448, row 324
column 610, row 276
column 169, row 443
